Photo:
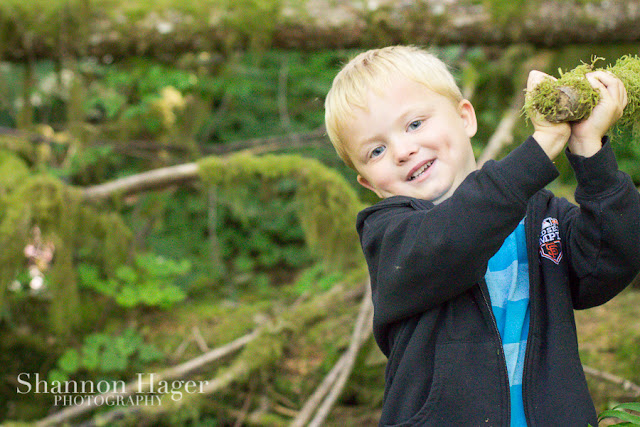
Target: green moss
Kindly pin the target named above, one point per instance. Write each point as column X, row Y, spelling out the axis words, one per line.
column 627, row 69
column 546, row 97
column 56, row 28
column 328, row 204
column 75, row 230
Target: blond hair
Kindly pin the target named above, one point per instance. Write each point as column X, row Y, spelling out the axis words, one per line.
column 374, row 70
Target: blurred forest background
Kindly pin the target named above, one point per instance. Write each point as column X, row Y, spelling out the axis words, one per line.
column 170, row 204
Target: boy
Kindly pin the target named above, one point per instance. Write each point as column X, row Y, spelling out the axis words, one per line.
column 475, row 273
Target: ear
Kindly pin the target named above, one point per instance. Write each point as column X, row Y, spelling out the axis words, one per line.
column 468, row 115
column 366, row 184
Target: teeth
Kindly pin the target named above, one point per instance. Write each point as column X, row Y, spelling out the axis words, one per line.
column 420, row 171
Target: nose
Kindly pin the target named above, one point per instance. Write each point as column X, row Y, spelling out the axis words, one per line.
column 404, row 150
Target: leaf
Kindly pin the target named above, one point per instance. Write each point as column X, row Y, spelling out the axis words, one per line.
column 624, row 416
column 126, row 274
column 57, row 375
column 91, row 357
column 631, row 406
column 88, row 275
column 123, row 347
column 149, row 353
column 70, row 361
column 112, row 361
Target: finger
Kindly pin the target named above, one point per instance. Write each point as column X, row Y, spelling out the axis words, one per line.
column 611, row 85
column 610, row 82
column 535, row 77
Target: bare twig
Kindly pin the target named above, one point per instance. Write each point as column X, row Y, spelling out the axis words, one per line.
column 158, row 178
column 624, row 383
column 316, row 398
column 202, row 344
column 244, row 411
column 503, row 135
column 361, row 332
column 182, row 347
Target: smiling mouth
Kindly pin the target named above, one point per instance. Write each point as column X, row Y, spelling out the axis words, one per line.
column 422, row 169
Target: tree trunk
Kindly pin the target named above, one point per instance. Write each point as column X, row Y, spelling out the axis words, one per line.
column 313, row 24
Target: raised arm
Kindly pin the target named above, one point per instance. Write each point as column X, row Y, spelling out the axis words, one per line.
column 420, row 255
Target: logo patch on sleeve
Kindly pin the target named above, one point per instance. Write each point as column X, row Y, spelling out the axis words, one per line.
column 550, row 244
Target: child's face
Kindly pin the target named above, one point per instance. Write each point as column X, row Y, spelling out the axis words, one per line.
column 412, row 142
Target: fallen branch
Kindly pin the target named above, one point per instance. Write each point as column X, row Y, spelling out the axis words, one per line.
column 247, row 362
column 361, row 332
column 624, row 383
column 179, row 174
column 167, row 30
column 151, row 180
column 321, row 391
column 237, row 370
column 139, row 386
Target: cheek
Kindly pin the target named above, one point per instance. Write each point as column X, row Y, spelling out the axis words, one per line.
column 382, row 180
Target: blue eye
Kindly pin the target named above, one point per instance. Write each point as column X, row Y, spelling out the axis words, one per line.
column 377, row 151
column 415, row 125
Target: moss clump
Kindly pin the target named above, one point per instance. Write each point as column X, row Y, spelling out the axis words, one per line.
column 76, row 231
column 571, row 97
column 328, row 204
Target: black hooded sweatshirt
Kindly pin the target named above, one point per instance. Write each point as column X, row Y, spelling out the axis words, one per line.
column 432, row 310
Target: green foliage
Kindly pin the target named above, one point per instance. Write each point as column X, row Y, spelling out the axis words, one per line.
column 105, row 354
column 327, row 203
column 316, row 279
column 506, row 12
column 150, row 281
column 247, row 237
column 626, row 412
column 77, row 232
column 251, row 22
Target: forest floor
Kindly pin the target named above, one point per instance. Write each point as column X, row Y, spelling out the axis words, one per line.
column 609, row 338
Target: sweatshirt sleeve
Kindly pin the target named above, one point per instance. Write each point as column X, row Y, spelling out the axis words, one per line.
column 603, row 234
column 420, row 255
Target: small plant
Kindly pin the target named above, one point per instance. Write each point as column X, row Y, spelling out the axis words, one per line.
column 317, row 278
column 623, row 412
column 149, row 281
column 105, row 354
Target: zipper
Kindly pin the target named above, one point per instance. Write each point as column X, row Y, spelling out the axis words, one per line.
column 530, row 221
column 496, row 332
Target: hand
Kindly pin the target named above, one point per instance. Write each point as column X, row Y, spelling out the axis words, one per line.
column 586, row 135
column 552, row 137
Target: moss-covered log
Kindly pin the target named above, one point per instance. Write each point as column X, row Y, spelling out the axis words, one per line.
column 108, row 29
column 327, row 208
column 571, row 97
column 328, row 204
column 57, row 211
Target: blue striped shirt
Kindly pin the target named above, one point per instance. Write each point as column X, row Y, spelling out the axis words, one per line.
column 507, row 278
